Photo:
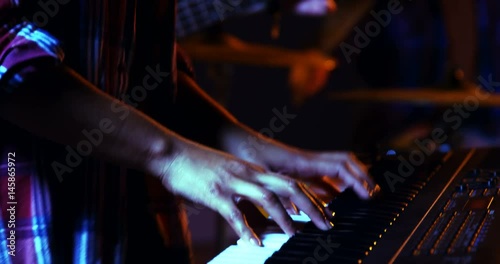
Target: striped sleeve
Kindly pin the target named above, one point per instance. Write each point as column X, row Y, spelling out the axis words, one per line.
column 20, row 44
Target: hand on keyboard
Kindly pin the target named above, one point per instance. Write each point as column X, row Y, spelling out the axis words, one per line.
column 216, row 180
column 328, row 173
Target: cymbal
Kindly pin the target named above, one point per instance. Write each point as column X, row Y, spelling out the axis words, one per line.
column 235, row 51
column 421, row 96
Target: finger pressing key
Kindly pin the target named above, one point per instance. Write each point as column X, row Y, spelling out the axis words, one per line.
column 314, row 208
column 269, row 201
column 287, row 187
column 237, row 221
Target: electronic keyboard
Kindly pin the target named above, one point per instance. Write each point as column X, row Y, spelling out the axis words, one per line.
column 437, row 208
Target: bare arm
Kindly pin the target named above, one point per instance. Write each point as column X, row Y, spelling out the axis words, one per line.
column 61, row 106
column 202, row 119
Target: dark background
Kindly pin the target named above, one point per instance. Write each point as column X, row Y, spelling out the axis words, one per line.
column 411, row 52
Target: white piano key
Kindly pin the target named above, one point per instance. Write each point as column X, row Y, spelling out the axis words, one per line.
column 301, row 217
column 274, row 241
column 271, row 241
column 245, row 253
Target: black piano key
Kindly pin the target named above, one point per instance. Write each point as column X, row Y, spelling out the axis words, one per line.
column 302, row 256
column 383, row 205
column 307, row 246
column 363, row 241
column 351, row 233
column 341, row 251
column 284, row 259
column 402, row 197
column 360, row 238
column 357, row 220
column 358, row 224
column 372, row 211
column 361, row 216
column 364, row 234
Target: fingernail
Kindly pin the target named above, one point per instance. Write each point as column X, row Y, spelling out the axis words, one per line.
column 375, row 190
column 254, row 241
column 330, row 213
column 328, row 224
column 366, row 185
column 296, row 210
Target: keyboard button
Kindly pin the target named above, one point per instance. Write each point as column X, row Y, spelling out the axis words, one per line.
column 490, row 192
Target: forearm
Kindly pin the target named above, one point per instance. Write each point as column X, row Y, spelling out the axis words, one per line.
column 202, row 119
column 196, row 115
column 62, row 107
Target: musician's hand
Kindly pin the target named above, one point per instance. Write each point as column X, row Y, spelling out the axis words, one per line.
column 216, row 180
column 306, row 81
column 327, row 173
column 332, row 172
